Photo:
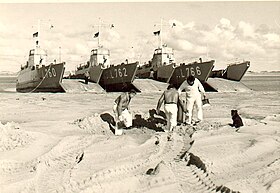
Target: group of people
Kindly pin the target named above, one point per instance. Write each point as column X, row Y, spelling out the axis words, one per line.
column 171, row 100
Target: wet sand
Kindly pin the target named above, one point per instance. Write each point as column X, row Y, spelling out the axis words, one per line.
column 63, row 143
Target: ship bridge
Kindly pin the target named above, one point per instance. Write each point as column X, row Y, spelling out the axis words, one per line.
column 37, row 56
column 163, row 56
column 100, row 57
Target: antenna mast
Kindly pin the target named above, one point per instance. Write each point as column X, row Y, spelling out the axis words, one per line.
column 59, row 54
column 39, row 33
column 99, row 26
column 161, row 32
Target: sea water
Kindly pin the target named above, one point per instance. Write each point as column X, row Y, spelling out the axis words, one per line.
column 262, row 82
column 7, row 83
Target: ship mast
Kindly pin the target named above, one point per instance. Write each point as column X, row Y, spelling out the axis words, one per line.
column 97, row 34
column 38, row 31
column 98, row 40
column 161, row 32
column 59, row 54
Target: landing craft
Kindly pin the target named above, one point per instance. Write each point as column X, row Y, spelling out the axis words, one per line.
column 200, row 70
column 106, row 75
column 163, row 67
column 110, row 77
column 234, row 71
column 36, row 76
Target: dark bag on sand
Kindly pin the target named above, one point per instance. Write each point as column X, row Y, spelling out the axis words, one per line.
column 205, row 102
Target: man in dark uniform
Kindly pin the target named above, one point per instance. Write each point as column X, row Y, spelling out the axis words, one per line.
column 86, row 77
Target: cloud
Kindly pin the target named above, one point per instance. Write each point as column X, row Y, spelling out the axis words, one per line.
column 226, row 43
column 272, row 41
column 246, row 30
column 223, row 26
column 223, row 42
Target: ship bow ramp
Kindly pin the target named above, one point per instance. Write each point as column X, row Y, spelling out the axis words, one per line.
column 149, row 85
column 77, row 86
column 224, row 85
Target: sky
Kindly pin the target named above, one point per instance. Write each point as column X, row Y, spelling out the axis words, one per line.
column 225, row 31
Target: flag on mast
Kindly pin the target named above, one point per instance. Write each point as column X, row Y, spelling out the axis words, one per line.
column 96, row 35
column 35, row 35
column 156, row 33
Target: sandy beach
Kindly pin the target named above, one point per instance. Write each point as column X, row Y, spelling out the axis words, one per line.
column 84, row 54
column 63, row 143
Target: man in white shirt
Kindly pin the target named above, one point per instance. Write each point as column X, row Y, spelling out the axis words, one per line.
column 193, row 89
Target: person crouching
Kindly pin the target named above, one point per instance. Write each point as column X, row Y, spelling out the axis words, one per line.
column 121, row 110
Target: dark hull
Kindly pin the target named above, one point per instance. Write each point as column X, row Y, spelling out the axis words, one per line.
column 232, row 72
column 123, row 74
column 236, row 72
column 164, row 73
column 95, row 73
column 43, row 79
column 144, row 72
column 199, row 70
column 80, row 73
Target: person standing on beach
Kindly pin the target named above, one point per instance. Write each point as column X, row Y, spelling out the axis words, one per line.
column 86, row 77
column 170, row 97
column 121, row 110
column 193, row 89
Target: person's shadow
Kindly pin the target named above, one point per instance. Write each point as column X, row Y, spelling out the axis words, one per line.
column 82, row 81
column 106, row 117
column 153, row 122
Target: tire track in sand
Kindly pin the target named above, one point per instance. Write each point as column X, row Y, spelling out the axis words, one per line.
column 164, row 151
column 191, row 173
column 53, row 164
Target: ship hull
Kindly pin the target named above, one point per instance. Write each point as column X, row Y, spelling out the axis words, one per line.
column 232, row 72
column 79, row 74
column 199, row 70
column 144, row 72
column 95, row 73
column 43, row 79
column 115, row 76
column 164, row 73
column 236, row 72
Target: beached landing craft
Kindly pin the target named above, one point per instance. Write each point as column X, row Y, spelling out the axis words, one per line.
column 163, row 67
column 36, row 76
column 233, row 71
column 110, row 77
column 200, row 70
column 228, row 79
